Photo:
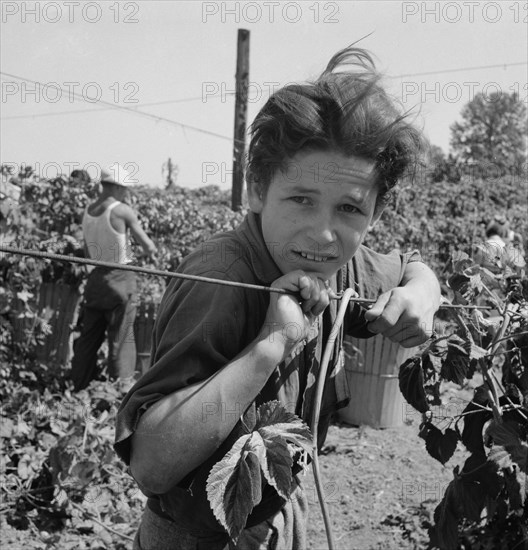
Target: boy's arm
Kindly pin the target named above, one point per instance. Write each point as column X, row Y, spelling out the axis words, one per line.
column 172, row 438
column 405, row 313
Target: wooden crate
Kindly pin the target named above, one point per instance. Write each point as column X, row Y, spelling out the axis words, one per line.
column 143, row 325
column 372, row 367
column 59, row 304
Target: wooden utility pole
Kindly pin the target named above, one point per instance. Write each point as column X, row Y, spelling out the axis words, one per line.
column 169, row 174
column 241, row 101
column 172, row 173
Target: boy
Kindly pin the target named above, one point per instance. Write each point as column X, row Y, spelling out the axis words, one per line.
column 322, row 160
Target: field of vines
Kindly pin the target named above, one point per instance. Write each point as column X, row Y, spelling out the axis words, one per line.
column 61, row 484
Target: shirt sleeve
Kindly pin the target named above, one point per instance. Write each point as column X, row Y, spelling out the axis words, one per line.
column 371, row 274
column 199, row 329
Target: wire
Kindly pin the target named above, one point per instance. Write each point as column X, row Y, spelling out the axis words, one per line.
column 126, row 109
column 502, row 65
column 172, row 274
column 76, row 111
column 182, row 100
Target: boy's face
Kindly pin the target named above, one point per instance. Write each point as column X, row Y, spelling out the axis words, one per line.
column 317, row 212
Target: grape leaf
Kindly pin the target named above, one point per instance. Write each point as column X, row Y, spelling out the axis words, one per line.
column 446, row 516
column 278, row 464
column 455, row 365
column 475, row 420
column 298, row 436
column 507, row 439
column 477, row 468
column 470, row 496
column 274, row 420
column 234, row 484
column 500, row 456
column 431, row 366
column 272, row 412
column 231, row 512
column 516, row 488
column 411, row 381
column 439, row 445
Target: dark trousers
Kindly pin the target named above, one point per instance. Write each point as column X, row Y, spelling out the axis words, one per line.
column 109, row 306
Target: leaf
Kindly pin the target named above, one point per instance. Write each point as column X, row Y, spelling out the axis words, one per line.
column 446, row 521
column 411, row 382
column 515, row 485
column 471, row 497
column 278, row 465
column 474, row 421
column 476, row 352
column 439, row 445
column 274, row 420
column 238, row 496
column 431, row 366
column 478, row 468
column 273, row 412
column 24, row 295
column 234, row 485
column 455, row 365
column 219, row 476
column 500, row 457
column 505, row 437
column 299, row 436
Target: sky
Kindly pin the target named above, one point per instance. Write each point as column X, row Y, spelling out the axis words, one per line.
column 87, row 84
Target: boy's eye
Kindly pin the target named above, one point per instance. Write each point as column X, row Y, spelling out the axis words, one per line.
column 299, row 199
column 349, row 208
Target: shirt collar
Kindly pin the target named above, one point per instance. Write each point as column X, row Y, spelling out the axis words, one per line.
column 262, row 263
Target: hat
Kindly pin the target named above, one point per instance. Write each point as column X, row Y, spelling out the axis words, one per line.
column 499, row 226
column 116, row 174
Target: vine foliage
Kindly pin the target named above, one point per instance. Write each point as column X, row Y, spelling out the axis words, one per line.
column 485, row 505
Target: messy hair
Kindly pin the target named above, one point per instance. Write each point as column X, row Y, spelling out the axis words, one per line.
column 346, row 111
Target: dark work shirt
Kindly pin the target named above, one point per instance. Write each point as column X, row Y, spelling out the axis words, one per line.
column 201, row 327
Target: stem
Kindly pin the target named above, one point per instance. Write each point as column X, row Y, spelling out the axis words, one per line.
column 493, row 393
column 493, row 297
column 514, row 406
column 93, row 518
column 511, row 336
column 349, row 292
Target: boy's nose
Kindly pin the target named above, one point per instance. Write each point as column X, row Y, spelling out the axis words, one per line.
column 322, row 229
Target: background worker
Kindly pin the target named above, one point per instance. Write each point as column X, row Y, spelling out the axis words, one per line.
column 110, row 296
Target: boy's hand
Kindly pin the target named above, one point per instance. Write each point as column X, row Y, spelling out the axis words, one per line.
column 403, row 316
column 289, row 318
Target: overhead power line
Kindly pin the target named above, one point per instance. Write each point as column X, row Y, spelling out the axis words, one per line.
column 500, row 66
column 124, row 109
column 77, row 111
column 134, row 110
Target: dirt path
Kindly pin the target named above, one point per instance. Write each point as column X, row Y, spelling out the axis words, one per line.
column 381, row 485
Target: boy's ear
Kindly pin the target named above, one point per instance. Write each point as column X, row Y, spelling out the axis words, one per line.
column 255, row 200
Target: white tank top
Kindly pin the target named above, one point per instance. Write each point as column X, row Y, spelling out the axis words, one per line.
column 103, row 241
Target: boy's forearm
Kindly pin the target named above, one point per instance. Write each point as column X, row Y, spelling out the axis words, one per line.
column 182, row 430
column 418, row 275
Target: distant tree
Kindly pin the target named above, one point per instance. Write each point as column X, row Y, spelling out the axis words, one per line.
column 492, row 132
column 441, row 168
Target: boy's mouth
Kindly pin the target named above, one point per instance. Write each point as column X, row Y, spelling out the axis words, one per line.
column 314, row 257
